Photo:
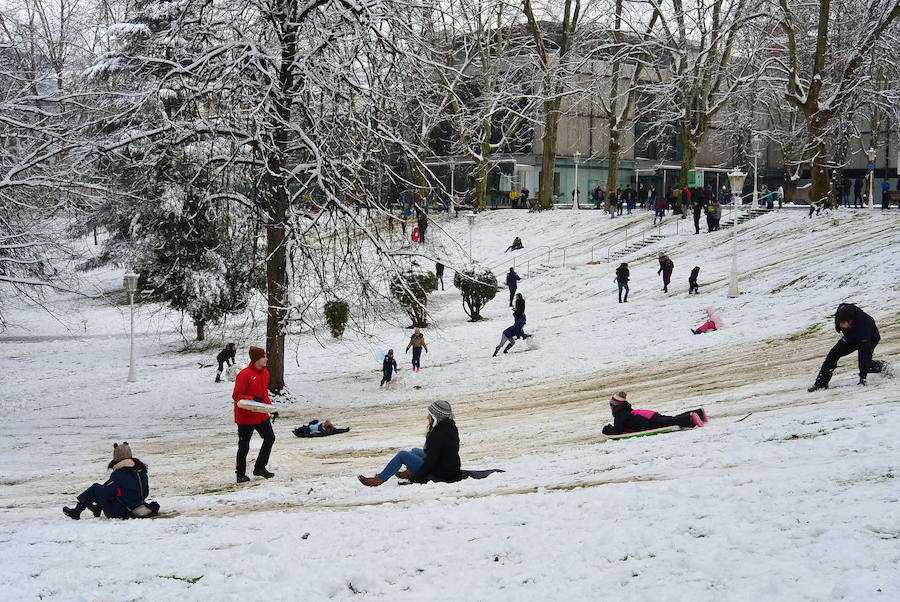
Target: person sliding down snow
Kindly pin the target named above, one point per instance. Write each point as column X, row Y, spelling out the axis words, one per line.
column 860, row 334
column 510, row 334
column 437, row 461
column 124, row 495
column 628, row 420
column 713, row 323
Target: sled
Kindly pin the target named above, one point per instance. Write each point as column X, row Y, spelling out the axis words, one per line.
column 171, row 514
column 316, row 435
column 259, row 406
column 659, row 431
column 464, row 474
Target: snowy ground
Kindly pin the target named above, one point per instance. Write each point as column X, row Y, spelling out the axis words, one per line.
column 796, row 502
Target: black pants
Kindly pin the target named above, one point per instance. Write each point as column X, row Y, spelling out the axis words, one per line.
column 693, row 287
column 245, row 433
column 696, row 223
column 512, row 294
column 842, row 348
column 386, row 376
column 683, row 420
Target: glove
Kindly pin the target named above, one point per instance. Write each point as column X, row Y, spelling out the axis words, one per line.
column 258, row 399
column 274, row 416
column 862, row 382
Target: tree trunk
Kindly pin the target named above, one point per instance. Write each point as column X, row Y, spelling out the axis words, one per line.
column 548, row 157
column 688, row 162
column 276, row 274
column 201, row 330
column 481, row 173
column 615, row 152
column 821, row 185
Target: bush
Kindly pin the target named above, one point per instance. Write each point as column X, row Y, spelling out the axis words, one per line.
column 411, row 290
column 477, row 287
column 336, row 315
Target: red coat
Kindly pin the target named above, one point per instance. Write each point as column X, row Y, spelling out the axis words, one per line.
column 250, row 382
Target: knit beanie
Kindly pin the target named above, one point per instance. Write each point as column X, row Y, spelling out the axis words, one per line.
column 256, row 353
column 121, row 452
column 441, row 410
column 618, row 399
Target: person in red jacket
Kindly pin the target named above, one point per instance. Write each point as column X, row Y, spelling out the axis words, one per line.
column 253, row 383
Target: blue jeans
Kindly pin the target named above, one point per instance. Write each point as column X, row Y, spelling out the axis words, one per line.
column 417, row 356
column 623, row 286
column 412, row 459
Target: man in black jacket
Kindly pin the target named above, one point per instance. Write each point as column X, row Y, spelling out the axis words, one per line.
column 225, row 357
column 860, row 334
column 512, row 280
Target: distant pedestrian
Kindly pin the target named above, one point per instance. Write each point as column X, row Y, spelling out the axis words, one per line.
column 519, row 308
column 512, row 280
column 439, row 271
column 660, row 207
column 422, row 219
column 693, row 287
column 388, row 367
column 225, row 358
column 622, row 277
column 857, row 192
column 628, row 195
column 417, row 342
column 779, row 194
column 665, row 268
column 770, row 198
column 885, row 199
column 698, row 209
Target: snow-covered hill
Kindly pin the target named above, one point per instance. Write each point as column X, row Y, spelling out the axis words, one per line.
column 796, row 501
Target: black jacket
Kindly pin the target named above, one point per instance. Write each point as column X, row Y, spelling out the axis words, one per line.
column 862, row 331
column 626, row 422
column 519, row 309
column 665, row 264
column 622, row 274
column 511, row 279
column 226, row 355
column 694, row 273
column 441, row 455
column 439, row 269
column 388, row 365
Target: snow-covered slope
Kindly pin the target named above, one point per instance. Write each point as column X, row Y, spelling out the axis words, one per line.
column 797, row 501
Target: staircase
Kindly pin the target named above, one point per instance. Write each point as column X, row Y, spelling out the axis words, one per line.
column 746, row 217
column 640, row 244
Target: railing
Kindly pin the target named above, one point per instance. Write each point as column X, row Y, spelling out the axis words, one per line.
column 652, row 230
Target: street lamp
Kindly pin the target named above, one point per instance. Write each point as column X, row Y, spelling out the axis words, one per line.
column 736, row 178
column 131, row 284
column 471, row 218
column 755, row 143
column 871, row 167
column 575, row 194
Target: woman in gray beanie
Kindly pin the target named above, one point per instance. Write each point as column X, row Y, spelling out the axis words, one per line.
column 124, row 495
column 438, row 461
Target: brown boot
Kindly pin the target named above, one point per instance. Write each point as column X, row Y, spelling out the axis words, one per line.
column 405, row 474
column 370, row 481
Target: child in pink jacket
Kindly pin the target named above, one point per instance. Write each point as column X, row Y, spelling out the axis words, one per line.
column 713, row 323
column 628, row 420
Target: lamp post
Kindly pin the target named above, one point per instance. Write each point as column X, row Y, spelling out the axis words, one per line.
column 755, row 143
column 471, row 218
column 575, row 194
column 871, row 155
column 131, row 284
column 736, row 178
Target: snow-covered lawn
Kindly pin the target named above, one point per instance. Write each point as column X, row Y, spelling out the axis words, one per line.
column 797, row 501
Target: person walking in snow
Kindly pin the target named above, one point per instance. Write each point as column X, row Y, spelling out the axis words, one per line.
column 665, row 268
column 511, row 334
column 779, row 195
column 519, row 309
column 659, row 204
column 439, row 272
column 698, row 210
column 628, row 196
column 628, row 420
column 388, row 367
column 417, row 342
column 857, row 192
column 693, row 287
column 253, row 383
column 438, row 460
column 622, row 277
column 422, row 222
column 885, row 199
column 858, row 333
column 512, row 280
column 225, row 358
column 123, row 495
column 713, row 322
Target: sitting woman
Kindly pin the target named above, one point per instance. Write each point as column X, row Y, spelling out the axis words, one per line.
column 516, row 245
column 627, row 420
column 438, row 461
column 124, row 495
column 713, row 323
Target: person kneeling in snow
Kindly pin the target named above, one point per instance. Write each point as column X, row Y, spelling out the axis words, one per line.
column 713, row 323
column 438, row 461
column 860, row 334
column 627, row 420
column 124, row 495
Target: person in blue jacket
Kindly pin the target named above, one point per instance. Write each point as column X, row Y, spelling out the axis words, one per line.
column 511, row 334
column 123, row 495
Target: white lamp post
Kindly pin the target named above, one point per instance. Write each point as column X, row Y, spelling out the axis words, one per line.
column 575, row 194
column 736, row 178
column 471, row 218
column 871, row 155
column 755, row 143
column 131, row 284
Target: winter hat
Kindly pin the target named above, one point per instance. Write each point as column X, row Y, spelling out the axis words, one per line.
column 441, row 410
column 618, row 399
column 121, row 452
column 257, row 353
